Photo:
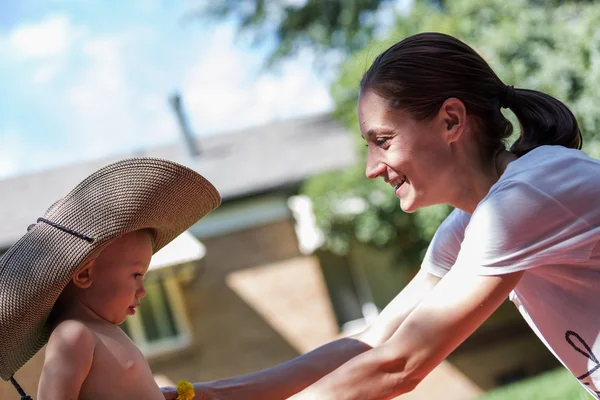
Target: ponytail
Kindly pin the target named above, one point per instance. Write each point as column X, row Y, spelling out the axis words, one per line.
column 544, row 120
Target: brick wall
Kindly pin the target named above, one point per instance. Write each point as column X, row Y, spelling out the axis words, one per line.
column 254, row 290
column 251, row 247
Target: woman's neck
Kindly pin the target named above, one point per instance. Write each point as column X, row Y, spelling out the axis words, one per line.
column 477, row 181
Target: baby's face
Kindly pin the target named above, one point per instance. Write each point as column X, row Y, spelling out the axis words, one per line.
column 117, row 277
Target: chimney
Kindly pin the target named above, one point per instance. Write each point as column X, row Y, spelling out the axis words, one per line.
column 183, row 124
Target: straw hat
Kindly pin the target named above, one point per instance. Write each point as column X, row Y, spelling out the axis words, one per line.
column 128, row 195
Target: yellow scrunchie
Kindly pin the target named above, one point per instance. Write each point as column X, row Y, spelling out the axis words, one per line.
column 185, row 391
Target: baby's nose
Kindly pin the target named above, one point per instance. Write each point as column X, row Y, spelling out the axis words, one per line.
column 141, row 291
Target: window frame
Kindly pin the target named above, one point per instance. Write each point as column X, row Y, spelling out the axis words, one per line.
column 175, row 300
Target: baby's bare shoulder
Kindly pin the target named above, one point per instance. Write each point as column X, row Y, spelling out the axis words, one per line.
column 67, row 361
column 71, row 334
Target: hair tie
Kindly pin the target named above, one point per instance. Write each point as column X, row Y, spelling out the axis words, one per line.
column 507, row 97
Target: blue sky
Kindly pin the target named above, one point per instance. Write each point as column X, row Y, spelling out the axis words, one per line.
column 83, row 79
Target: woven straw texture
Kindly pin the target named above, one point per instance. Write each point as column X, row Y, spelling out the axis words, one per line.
column 132, row 194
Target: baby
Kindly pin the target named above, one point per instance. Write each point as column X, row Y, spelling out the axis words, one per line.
column 88, row 356
column 78, row 272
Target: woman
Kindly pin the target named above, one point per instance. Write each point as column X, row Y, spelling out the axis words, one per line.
column 526, row 223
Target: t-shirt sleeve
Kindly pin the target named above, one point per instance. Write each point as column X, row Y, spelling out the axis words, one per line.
column 516, row 227
column 445, row 245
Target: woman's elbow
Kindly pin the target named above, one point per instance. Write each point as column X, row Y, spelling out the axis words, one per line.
column 404, row 381
column 401, row 373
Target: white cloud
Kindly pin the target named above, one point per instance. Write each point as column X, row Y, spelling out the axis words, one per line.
column 42, row 48
column 222, row 90
column 46, row 72
column 49, row 38
column 148, row 6
column 112, row 109
column 105, row 72
column 114, row 97
column 296, row 90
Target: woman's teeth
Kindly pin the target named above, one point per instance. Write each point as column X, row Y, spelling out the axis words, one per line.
column 400, row 184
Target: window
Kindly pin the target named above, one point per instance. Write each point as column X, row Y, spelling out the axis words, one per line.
column 350, row 289
column 362, row 283
column 349, row 292
column 160, row 325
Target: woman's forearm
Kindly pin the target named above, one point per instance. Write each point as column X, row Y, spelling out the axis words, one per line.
column 282, row 381
column 374, row 375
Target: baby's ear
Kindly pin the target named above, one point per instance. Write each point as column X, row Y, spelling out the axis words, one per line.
column 83, row 276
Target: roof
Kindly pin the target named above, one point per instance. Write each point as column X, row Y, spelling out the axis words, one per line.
column 239, row 164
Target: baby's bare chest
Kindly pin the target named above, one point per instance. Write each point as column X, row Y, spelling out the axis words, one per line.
column 119, row 371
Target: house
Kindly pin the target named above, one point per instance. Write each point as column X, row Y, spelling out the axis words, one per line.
column 249, row 293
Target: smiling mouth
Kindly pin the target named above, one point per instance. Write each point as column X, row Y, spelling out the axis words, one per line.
column 399, row 184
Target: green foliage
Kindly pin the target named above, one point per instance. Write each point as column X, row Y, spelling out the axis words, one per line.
column 559, row 384
column 347, row 206
column 552, row 49
column 322, row 25
column 548, row 45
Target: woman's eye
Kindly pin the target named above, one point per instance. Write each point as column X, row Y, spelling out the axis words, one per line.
column 381, row 141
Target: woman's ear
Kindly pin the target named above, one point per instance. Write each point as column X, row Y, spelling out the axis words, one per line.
column 454, row 114
column 83, row 276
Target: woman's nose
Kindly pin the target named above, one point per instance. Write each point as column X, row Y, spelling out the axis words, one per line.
column 374, row 168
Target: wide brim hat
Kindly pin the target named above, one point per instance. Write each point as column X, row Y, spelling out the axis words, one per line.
column 132, row 194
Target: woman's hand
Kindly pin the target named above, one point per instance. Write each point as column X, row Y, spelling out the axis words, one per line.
column 170, row 392
column 202, row 392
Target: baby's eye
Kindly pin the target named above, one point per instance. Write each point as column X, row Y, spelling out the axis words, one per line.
column 137, row 275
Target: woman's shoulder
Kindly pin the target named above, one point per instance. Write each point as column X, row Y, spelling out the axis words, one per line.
column 548, row 181
column 550, row 158
column 453, row 226
column 553, row 170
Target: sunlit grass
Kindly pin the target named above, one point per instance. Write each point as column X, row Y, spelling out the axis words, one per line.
column 558, row 384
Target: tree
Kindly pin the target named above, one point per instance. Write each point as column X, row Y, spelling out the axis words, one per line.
column 552, row 49
column 322, row 25
column 549, row 45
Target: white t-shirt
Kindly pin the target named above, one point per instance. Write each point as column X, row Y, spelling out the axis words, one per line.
column 542, row 216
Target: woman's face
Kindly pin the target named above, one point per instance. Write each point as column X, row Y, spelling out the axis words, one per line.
column 414, row 157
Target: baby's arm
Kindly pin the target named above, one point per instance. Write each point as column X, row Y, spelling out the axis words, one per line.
column 67, row 363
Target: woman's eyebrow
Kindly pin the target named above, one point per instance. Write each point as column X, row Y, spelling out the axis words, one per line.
column 376, row 131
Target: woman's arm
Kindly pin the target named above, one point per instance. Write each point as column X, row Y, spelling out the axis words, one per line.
column 282, row 381
column 452, row 311
column 392, row 316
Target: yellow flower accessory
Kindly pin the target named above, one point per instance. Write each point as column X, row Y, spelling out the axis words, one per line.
column 185, row 390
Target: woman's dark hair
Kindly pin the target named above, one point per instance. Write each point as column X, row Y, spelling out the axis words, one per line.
column 420, row 72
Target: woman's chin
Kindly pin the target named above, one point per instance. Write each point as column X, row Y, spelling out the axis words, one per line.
column 409, row 204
